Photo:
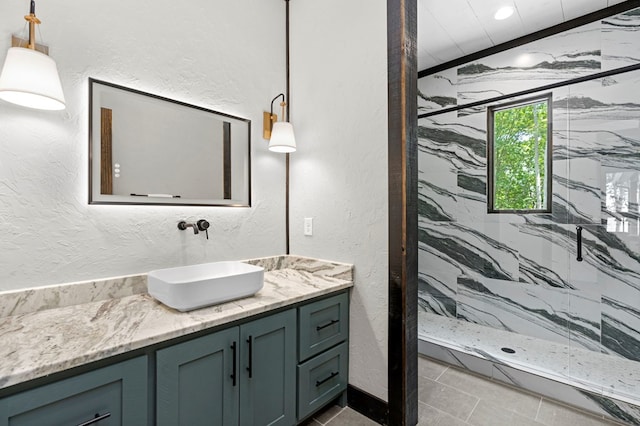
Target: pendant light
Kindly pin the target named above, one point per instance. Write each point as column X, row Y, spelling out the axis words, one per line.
column 29, row 77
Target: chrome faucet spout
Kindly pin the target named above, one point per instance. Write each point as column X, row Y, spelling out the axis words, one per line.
column 182, row 225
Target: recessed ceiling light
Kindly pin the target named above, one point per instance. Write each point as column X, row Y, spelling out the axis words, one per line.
column 503, row 13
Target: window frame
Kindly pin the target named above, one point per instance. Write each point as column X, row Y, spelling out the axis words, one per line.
column 491, row 110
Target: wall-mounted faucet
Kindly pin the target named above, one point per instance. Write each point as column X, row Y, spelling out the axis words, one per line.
column 201, row 225
column 182, row 225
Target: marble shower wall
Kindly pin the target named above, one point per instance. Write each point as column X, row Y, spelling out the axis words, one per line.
column 599, row 46
column 518, row 272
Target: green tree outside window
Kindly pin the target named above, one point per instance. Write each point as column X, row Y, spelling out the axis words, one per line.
column 520, row 152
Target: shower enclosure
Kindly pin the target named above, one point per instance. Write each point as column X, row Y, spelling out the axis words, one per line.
column 545, row 300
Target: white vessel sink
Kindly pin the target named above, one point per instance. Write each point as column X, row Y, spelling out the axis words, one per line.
column 191, row 287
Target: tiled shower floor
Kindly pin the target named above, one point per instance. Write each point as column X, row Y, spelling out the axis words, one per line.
column 604, row 374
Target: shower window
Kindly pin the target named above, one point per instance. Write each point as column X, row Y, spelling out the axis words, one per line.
column 519, row 156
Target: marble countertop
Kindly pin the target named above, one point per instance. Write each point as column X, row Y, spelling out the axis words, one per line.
column 48, row 330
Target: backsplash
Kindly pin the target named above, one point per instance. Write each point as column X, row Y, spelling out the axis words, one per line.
column 313, row 266
column 57, row 296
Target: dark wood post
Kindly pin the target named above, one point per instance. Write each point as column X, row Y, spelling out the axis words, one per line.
column 403, row 212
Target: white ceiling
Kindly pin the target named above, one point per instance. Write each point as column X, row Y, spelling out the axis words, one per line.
column 450, row 29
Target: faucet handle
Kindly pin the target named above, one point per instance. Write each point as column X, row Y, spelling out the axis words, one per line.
column 203, row 225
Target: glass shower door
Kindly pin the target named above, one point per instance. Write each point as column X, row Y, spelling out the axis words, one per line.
column 603, row 144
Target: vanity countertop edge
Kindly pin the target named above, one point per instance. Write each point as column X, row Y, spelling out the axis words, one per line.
column 37, row 344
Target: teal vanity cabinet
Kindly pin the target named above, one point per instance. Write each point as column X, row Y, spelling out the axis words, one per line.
column 275, row 370
column 108, row 396
column 242, row 375
column 323, row 353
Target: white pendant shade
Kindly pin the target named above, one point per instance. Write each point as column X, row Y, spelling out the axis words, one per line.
column 30, row 78
column 282, row 138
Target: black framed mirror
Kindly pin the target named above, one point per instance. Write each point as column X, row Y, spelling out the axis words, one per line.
column 148, row 149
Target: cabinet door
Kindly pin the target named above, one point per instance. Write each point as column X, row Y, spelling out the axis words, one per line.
column 109, row 396
column 268, row 354
column 197, row 381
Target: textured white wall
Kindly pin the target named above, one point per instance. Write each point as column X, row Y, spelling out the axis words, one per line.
column 339, row 173
column 223, row 55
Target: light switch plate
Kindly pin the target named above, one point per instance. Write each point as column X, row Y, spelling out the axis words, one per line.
column 308, row 226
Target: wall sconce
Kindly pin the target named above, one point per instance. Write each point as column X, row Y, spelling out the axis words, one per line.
column 278, row 133
column 29, row 76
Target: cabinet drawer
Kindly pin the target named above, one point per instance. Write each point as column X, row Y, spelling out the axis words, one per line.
column 323, row 324
column 117, row 394
column 322, row 379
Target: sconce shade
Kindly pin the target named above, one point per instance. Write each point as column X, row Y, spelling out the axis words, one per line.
column 30, row 78
column 282, row 138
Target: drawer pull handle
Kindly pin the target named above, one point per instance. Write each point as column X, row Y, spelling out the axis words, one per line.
column 320, row 382
column 96, row 419
column 233, row 354
column 329, row 324
column 250, row 367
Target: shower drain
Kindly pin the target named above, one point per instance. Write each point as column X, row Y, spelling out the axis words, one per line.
column 508, row 350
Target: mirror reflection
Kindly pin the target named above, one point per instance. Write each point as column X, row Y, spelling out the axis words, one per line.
column 146, row 149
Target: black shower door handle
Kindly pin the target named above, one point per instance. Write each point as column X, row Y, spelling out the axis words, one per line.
column 579, row 238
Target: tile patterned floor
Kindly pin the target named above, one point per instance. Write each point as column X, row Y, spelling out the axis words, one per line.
column 338, row 416
column 449, row 396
